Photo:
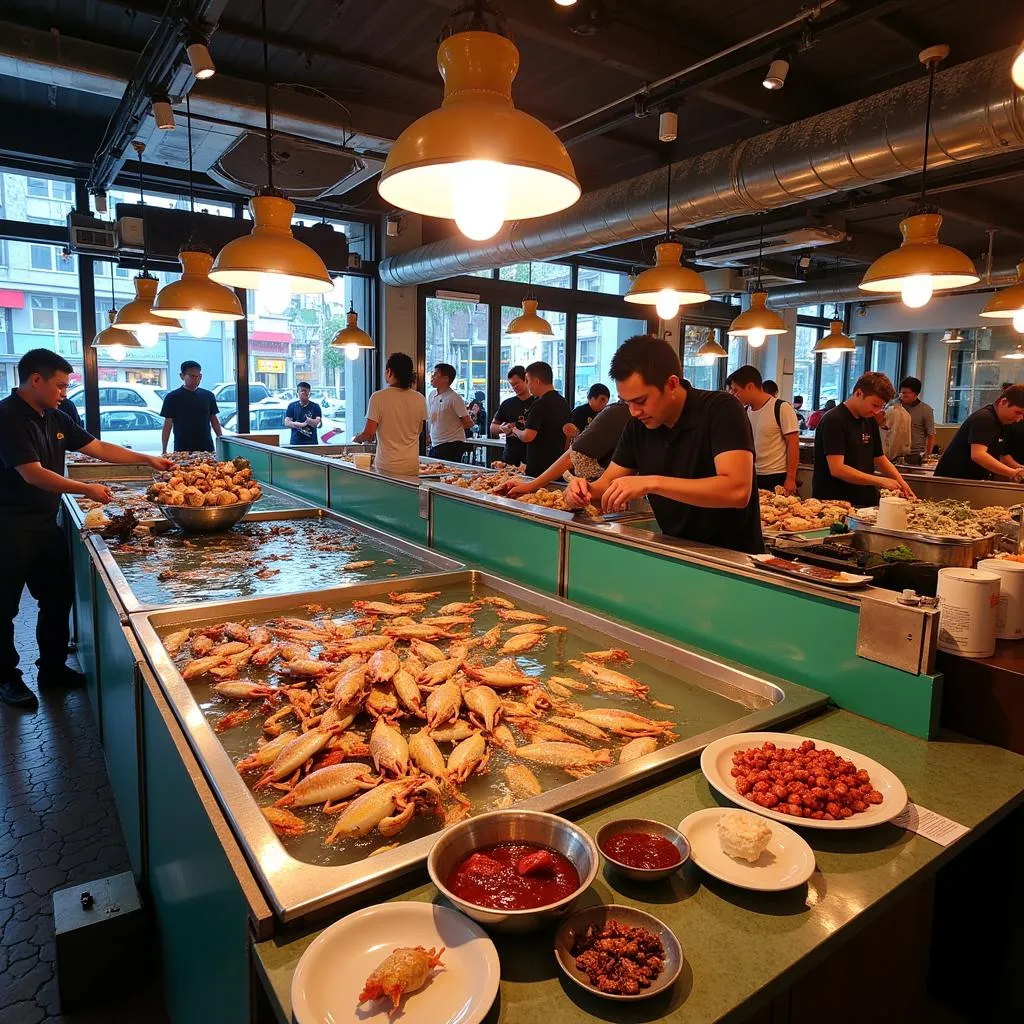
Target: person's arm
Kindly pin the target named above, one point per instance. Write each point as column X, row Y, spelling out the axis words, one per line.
column 841, row 471
column 497, row 427
column 114, row 453
column 289, row 422
column 792, row 461
column 1010, row 461
column 368, row 433
column 929, row 444
column 582, row 492
column 215, row 423
column 534, row 421
column 729, row 488
column 165, row 434
column 888, row 470
column 553, row 472
column 981, row 456
column 929, row 430
column 36, row 475
column 526, row 435
column 466, row 421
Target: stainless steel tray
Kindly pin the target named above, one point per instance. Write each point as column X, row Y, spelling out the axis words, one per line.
column 297, row 888
column 955, row 551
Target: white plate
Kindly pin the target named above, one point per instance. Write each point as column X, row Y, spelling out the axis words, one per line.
column 852, row 579
column 716, row 764
column 331, row 973
column 786, row 862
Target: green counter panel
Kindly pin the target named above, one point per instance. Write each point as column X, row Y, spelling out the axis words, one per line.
column 523, row 549
column 201, row 913
column 259, row 461
column 85, row 620
column 120, row 724
column 796, row 636
column 378, row 502
column 296, row 476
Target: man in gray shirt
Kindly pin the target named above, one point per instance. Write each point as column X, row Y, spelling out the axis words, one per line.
column 922, row 417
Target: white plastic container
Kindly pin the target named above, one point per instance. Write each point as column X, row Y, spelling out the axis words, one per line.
column 968, row 607
column 892, row 513
column 362, row 460
column 1010, row 616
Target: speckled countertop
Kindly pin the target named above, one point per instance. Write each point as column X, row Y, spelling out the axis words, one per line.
column 857, row 873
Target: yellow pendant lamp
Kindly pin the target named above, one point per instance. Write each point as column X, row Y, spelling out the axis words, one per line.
column 476, row 159
column 270, row 259
column 115, row 341
column 921, row 265
column 710, row 351
column 953, row 337
column 832, row 345
column 352, row 338
column 758, row 322
column 138, row 315
column 1008, row 304
column 530, row 325
column 194, row 298
column 668, row 284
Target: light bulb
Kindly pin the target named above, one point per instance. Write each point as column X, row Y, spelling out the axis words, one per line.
column 565, row 3
column 917, row 291
column 351, row 350
column 148, row 335
column 275, row 295
column 708, row 360
column 833, row 355
column 667, row 304
column 116, row 352
column 1017, row 68
column 197, row 323
column 1018, row 321
column 756, row 337
column 479, row 198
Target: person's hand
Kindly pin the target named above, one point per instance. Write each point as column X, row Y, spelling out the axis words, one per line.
column 577, row 494
column 506, row 428
column 98, row 492
column 1018, row 476
column 161, row 463
column 518, row 490
column 570, row 430
column 888, row 484
column 790, row 485
column 907, row 492
column 623, row 491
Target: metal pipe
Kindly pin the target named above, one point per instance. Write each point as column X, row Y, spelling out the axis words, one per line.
column 978, row 113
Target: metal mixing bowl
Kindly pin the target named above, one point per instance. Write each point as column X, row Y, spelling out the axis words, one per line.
column 458, row 841
column 212, row 519
column 676, row 838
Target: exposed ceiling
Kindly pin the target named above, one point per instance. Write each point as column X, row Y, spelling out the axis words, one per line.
column 350, row 74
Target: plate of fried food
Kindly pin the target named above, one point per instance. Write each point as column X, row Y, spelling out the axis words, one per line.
column 416, row 962
column 802, row 782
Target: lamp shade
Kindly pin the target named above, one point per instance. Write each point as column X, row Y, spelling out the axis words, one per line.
column 138, row 314
column 921, row 265
column 668, row 282
column 835, row 340
column 711, row 350
column 352, row 334
column 530, row 323
column 195, row 294
column 270, row 257
column 952, row 337
column 111, row 335
column 476, row 159
column 1008, row 304
column 758, row 322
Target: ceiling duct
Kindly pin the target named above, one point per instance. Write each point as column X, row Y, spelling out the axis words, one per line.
column 978, row 113
column 733, row 254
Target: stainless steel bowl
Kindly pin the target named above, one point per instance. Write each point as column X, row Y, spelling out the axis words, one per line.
column 212, row 519
column 599, row 917
column 458, row 841
column 676, row 838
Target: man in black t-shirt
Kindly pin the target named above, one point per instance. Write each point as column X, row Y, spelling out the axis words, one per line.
column 689, row 451
column 978, row 451
column 585, row 414
column 848, row 447
column 190, row 411
column 543, row 434
column 511, row 414
column 303, row 417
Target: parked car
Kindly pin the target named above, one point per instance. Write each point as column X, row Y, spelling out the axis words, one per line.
column 131, row 427
column 268, row 418
column 121, row 395
column 226, row 394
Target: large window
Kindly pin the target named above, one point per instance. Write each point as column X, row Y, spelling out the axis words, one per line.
column 607, row 282
column 54, row 315
column 597, row 338
column 457, row 334
column 704, row 372
column 550, row 275
column 521, row 350
column 978, row 369
column 35, row 199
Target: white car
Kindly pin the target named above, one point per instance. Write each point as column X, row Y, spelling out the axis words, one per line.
column 121, row 395
column 227, row 396
column 267, row 417
column 132, row 427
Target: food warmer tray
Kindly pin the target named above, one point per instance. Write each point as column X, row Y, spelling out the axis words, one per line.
column 298, row 888
column 947, row 551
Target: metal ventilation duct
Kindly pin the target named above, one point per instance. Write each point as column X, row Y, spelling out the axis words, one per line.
column 977, row 113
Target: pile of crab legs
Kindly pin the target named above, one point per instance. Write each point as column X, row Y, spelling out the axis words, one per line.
column 309, row 745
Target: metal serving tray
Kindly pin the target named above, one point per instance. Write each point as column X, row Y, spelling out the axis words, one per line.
column 417, row 560
column 298, row 888
column 955, row 551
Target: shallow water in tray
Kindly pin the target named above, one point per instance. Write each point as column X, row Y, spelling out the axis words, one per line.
column 257, row 560
column 133, row 493
column 695, row 708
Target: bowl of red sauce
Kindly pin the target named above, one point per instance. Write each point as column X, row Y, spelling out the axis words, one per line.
column 643, row 849
column 513, row 871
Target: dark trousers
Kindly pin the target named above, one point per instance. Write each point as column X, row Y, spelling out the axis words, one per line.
column 450, row 451
column 36, row 558
column 769, row 481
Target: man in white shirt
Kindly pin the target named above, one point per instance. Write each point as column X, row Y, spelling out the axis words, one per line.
column 894, row 422
column 775, row 428
column 447, row 417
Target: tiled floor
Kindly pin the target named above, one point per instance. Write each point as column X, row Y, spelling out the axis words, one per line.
column 58, row 827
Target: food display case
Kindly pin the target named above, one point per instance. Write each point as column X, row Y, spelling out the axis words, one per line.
column 708, row 699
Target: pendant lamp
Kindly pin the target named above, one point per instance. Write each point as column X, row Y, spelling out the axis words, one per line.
column 835, row 343
column 921, row 265
column 270, row 259
column 1008, row 304
column 668, row 284
column 758, row 322
column 138, row 315
column 953, row 337
column 352, row 338
column 530, row 325
column 476, row 159
column 194, row 298
column 1017, row 353
column 710, row 351
column 113, row 341
column 1017, row 68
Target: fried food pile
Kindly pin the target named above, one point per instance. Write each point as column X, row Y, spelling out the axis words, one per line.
column 498, row 483
column 209, row 483
column 787, row 512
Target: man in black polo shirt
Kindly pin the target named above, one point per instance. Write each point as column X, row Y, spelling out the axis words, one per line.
column 689, row 451
column 543, row 436
column 511, row 415
column 979, row 449
column 34, row 437
column 190, row 411
column 848, row 447
column 303, row 417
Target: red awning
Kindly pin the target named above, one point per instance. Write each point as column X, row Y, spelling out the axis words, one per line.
column 10, row 299
column 285, row 336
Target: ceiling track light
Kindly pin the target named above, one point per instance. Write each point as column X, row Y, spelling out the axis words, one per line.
column 668, row 126
column 775, row 77
column 163, row 113
column 921, row 265
column 199, row 59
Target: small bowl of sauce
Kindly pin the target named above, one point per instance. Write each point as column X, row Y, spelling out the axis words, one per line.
column 642, row 849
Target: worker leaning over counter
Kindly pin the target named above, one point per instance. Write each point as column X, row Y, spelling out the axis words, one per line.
column 848, row 447
column 34, row 437
column 689, row 451
column 977, row 450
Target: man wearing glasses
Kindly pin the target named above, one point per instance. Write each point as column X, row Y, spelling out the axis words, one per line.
column 191, row 412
